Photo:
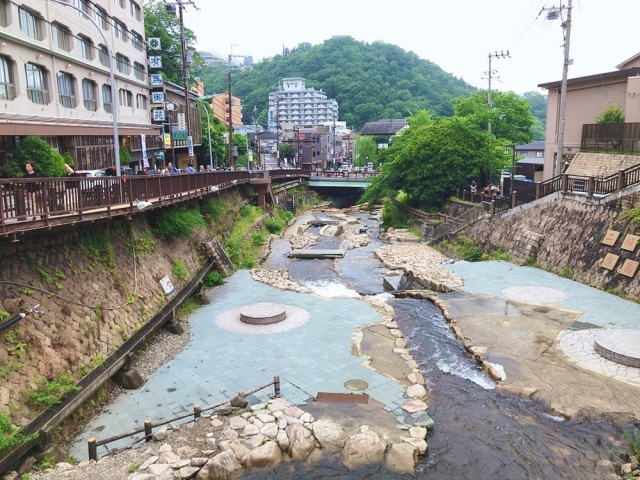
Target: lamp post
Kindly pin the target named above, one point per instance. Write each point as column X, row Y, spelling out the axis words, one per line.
column 112, row 80
column 513, row 166
column 206, row 110
column 170, row 108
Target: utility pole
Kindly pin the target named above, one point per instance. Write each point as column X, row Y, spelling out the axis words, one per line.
column 490, row 76
column 230, row 126
column 552, row 14
column 256, row 140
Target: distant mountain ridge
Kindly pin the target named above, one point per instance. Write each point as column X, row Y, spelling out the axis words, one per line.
column 369, row 81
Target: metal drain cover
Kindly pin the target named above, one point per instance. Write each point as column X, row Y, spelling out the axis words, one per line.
column 362, row 398
column 356, row 385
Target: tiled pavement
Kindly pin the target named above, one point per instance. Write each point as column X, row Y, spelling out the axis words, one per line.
column 217, row 363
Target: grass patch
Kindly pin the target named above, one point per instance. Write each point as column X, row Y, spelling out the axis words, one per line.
column 392, row 216
column 213, row 209
column 11, row 436
column 258, row 239
column 189, row 306
column 243, row 253
column 51, row 392
column 179, row 269
column 213, row 279
column 463, row 248
column 633, row 441
column 632, row 215
column 178, row 222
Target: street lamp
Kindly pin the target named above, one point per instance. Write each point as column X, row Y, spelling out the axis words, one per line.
column 112, row 80
column 206, row 110
column 170, row 108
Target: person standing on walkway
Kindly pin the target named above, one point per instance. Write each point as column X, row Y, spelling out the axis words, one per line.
column 171, row 170
column 190, row 169
column 33, row 189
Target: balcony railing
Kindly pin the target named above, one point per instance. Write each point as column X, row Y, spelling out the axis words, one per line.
column 623, row 138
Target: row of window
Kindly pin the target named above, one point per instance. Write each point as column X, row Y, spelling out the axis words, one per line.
column 38, row 89
column 32, row 25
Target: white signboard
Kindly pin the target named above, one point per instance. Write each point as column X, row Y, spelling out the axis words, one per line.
column 182, row 121
column 154, row 43
column 155, row 80
column 157, row 97
column 167, row 286
column 145, row 157
column 155, row 62
column 158, row 115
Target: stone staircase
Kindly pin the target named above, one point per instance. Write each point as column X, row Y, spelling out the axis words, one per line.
column 453, row 225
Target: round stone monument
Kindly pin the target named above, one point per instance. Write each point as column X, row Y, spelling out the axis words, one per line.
column 263, row 313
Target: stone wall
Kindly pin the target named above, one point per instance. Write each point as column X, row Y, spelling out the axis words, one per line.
column 564, row 236
column 94, row 293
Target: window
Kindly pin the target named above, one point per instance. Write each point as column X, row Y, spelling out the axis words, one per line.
column 37, row 83
column 121, row 3
column 107, row 101
column 66, row 90
column 7, row 87
column 120, row 29
column 89, row 95
column 134, row 8
column 126, row 98
column 138, row 70
column 85, row 6
column 122, row 64
column 61, row 36
column 103, row 55
column 141, row 102
column 4, row 12
column 86, row 47
column 30, row 23
column 101, row 18
column 137, row 41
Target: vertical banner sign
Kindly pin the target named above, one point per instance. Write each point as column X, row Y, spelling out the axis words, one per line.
column 182, row 121
column 145, row 157
column 190, row 145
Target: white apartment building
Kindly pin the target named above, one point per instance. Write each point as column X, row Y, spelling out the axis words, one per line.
column 293, row 104
column 54, row 77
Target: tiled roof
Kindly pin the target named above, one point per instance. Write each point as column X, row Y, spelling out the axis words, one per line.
column 383, row 127
column 539, row 145
column 531, row 161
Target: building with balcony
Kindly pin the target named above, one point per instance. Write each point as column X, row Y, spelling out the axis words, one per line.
column 220, row 106
column 295, row 105
column 54, row 77
column 587, row 98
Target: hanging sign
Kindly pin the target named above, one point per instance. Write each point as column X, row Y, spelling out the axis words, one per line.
column 154, row 43
column 145, row 157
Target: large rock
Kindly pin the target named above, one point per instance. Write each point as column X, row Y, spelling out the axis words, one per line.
column 266, row 455
column 402, row 458
column 240, row 451
column 329, row 434
column 413, row 406
column 129, row 380
column 301, row 441
column 237, row 423
column 416, row 391
column 361, row 449
column 224, row 466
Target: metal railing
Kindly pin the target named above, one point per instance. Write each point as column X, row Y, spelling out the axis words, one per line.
column 44, row 202
column 93, row 443
column 454, row 224
column 622, row 138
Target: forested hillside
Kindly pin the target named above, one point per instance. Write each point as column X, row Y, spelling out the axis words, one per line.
column 369, row 81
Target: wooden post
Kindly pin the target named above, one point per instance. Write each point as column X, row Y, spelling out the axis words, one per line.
column 93, row 449
column 514, row 199
column 197, row 411
column 620, row 182
column 148, row 434
column 492, row 210
column 538, row 190
column 276, row 385
column 564, row 182
column 591, row 184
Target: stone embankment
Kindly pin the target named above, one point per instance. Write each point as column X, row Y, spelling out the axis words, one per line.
column 241, row 439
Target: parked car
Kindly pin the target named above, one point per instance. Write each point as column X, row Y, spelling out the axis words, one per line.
column 124, row 171
column 92, row 174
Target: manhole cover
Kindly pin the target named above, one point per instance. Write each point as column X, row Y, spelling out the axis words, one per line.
column 356, row 385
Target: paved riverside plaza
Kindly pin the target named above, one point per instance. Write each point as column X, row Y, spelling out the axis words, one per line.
column 309, row 355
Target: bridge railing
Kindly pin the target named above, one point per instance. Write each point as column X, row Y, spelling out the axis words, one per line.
column 316, row 174
column 46, row 200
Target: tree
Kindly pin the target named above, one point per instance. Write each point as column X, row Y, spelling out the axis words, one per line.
column 365, row 150
column 611, row 114
column 538, row 104
column 427, row 162
column 286, row 151
column 510, row 117
column 158, row 23
column 219, row 150
column 48, row 162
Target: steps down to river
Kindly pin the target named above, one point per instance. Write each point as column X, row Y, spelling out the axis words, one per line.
column 316, row 253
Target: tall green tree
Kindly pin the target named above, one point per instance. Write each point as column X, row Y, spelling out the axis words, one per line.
column 159, row 24
column 219, row 149
column 365, row 150
column 510, row 117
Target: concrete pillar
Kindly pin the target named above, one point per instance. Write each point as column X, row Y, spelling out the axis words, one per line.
column 620, row 183
column 514, row 199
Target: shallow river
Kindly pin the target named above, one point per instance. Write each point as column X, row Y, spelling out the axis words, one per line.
column 480, row 433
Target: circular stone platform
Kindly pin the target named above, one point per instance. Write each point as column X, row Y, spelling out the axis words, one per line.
column 534, row 294
column 263, row 313
column 620, row 345
column 294, row 317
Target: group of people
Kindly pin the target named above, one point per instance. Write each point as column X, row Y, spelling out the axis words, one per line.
column 489, row 190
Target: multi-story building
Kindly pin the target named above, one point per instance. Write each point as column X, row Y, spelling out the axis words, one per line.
column 220, row 106
column 54, row 76
column 295, row 105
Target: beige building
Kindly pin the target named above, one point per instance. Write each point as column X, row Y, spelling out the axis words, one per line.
column 220, row 106
column 587, row 98
column 54, row 76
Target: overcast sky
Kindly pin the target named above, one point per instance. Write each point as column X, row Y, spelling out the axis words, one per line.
column 456, row 35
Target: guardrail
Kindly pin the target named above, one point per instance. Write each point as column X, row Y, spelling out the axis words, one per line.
column 93, row 444
column 44, row 202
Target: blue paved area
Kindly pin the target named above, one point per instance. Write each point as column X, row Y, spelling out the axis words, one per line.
column 599, row 308
column 217, row 363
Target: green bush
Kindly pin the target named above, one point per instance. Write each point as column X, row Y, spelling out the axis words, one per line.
column 214, row 209
column 258, row 239
column 179, row 269
column 213, row 279
column 178, row 222
column 9, row 435
column 51, row 392
column 48, row 162
column 273, row 226
column 633, row 442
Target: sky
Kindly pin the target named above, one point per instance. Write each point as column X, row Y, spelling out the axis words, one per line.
column 456, row 35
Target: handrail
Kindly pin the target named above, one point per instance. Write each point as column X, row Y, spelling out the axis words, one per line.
column 45, row 202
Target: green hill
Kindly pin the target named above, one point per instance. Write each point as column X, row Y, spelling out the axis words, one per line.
column 369, row 81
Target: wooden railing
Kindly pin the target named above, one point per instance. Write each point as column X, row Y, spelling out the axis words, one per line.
column 27, row 204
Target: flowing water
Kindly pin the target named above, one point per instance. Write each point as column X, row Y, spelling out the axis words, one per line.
column 480, row 433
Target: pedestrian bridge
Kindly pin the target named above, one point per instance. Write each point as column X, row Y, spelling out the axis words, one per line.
column 351, row 180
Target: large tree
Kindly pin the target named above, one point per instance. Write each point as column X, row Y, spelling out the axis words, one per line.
column 160, row 24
